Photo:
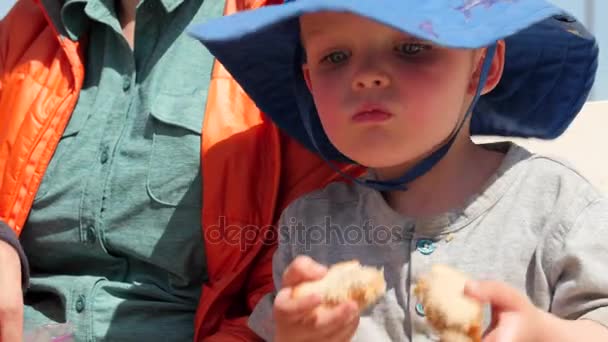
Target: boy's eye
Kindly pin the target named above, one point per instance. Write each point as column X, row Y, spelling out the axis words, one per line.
column 336, row 57
column 411, row 49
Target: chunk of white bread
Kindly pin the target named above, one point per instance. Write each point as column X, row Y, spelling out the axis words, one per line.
column 346, row 280
column 455, row 316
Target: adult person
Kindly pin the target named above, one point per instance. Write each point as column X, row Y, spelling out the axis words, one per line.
column 130, row 170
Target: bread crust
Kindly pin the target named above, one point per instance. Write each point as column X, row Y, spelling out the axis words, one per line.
column 344, row 281
column 456, row 317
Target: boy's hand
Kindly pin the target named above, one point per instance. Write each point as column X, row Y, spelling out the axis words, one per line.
column 303, row 319
column 11, row 295
column 514, row 317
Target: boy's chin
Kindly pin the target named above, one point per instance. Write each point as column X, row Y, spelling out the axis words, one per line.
column 380, row 161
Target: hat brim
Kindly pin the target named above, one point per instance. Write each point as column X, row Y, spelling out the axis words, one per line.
column 551, row 59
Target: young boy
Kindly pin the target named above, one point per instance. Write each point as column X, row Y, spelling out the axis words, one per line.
column 396, row 86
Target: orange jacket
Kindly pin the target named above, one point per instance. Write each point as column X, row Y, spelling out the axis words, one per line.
column 255, row 170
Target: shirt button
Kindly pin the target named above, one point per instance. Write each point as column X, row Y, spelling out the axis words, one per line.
column 420, row 309
column 104, row 155
column 426, row 246
column 80, row 302
column 126, row 83
column 91, row 235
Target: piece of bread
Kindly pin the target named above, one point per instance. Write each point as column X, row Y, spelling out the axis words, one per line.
column 456, row 317
column 346, row 280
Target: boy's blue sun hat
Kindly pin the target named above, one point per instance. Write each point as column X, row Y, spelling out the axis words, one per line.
column 550, row 62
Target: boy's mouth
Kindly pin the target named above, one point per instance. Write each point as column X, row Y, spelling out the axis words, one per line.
column 371, row 113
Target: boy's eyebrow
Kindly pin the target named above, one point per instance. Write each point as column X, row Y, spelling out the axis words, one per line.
column 415, row 39
column 312, row 34
column 317, row 31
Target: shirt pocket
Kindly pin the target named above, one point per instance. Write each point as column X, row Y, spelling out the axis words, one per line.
column 74, row 126
column 174, row 171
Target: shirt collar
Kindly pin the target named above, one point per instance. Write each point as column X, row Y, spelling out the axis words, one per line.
column 76, row 15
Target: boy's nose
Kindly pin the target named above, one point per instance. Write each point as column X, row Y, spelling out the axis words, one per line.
column 371, row 80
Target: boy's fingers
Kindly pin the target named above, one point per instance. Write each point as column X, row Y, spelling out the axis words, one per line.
column 337, row 324
column 498, row 294
column 291, row 309
column 10, row 331
column 501, row 335
column 328, row 319
column 343, row 333
column 328, row 324
column 302, row 269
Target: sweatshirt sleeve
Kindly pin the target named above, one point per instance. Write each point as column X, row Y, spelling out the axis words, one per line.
column 7, row 235
column 578, row 267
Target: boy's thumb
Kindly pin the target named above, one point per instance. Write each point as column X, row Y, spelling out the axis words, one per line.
column 499, row 295
column 302, row 269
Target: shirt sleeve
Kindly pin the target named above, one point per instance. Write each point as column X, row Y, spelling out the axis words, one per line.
column 579, row 267
column 7, row 235
column 261, row 320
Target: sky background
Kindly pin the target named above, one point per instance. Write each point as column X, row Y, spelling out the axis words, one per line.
column 586, row 10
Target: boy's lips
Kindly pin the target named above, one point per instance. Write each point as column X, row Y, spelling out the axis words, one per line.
column 371, row 114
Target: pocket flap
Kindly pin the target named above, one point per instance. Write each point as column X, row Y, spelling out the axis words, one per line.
column 182, row 111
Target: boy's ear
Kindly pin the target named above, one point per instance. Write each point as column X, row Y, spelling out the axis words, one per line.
column 495, row 72
column 306, row 73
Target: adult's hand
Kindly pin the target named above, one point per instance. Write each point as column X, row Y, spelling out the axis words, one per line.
column 11, row 295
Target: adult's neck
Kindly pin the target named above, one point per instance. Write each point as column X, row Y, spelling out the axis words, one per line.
column 460, row 174
column 126, row 14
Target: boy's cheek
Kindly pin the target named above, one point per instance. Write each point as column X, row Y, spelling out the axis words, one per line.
column 328, row 102
column 332, row 118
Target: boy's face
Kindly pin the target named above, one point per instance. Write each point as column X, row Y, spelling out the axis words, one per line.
column 384, row 98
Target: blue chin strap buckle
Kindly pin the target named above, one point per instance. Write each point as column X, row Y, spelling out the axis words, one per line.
column 424, row 165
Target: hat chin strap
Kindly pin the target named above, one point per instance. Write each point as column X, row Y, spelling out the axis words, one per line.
column 306, row 109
